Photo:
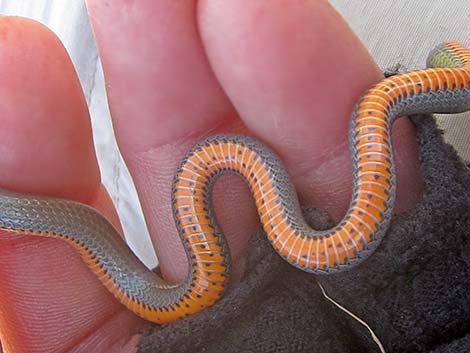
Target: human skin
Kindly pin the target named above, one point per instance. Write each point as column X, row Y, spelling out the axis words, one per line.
column 175, row 73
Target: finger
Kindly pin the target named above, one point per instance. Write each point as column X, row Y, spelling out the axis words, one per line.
column 50, row 300
column 163, row 98
column 294, row 74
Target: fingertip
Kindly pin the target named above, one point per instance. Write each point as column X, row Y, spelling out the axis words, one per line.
column 294, row 74
column 46, row 140
column 163, row 97
column 287, row 68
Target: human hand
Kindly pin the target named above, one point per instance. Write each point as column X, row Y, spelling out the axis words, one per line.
column 175, row 72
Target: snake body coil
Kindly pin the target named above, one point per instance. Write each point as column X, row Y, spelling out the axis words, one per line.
column 442, row 88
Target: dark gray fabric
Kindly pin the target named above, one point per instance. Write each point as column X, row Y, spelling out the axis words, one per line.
column 461, row 345
column 414, row 291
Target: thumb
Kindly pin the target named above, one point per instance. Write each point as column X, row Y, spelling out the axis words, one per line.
column 50, row 300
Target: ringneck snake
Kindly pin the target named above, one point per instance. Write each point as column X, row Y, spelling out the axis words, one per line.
column 444, row 87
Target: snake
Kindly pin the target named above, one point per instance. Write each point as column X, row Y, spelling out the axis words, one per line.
column 443, row 87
